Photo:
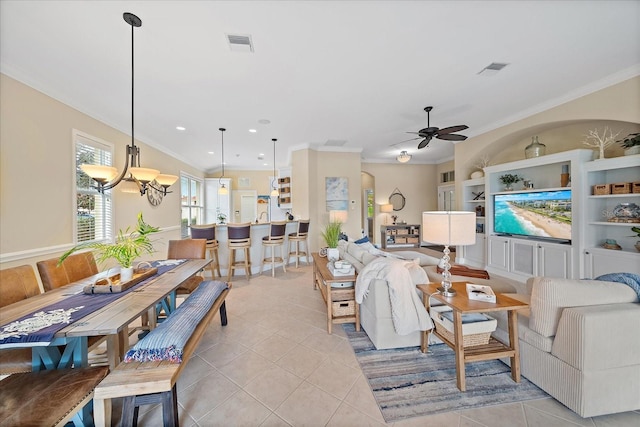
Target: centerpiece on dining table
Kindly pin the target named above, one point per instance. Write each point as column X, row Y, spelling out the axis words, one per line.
column 128, row 246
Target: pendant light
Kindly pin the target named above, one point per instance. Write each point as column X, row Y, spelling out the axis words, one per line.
column 142, row 178
column 274, row 192
column 222, row 189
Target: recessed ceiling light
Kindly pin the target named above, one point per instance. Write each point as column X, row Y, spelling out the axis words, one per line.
column 265, row 164
column 210, row 152
column 181, row 128
column 253, row 130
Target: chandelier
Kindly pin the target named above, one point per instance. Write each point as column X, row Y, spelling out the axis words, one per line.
column 274, row 192
column 403, row 157
column 107, row 176
column 222, row 189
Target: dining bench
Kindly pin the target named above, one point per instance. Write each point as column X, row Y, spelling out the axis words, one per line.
column 151, row 368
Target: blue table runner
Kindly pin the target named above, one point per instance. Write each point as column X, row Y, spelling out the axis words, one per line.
column 38, row 329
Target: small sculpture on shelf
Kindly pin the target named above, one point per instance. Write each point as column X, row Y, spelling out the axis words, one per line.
column 594, row 139
column 631, row 144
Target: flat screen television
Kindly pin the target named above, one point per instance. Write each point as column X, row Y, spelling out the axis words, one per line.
column 542, row 215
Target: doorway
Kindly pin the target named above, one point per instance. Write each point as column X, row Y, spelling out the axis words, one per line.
column 368, row 204
column 447, row 197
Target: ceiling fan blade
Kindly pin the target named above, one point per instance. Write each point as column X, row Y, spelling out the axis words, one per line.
column 406, row 140
column 451, row 137
column 453, row 129
column 424, row 143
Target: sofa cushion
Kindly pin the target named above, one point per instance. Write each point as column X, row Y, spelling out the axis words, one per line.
column 549, row 296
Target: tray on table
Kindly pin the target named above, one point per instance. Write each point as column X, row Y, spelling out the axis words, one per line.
column 112, row 284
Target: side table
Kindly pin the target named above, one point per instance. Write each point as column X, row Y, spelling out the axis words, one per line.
column 341, row 302
column 461, row 304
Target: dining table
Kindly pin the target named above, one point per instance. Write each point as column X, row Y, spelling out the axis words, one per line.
column 68, row 346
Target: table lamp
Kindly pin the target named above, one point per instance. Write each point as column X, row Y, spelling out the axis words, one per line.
column 386, row 208
column 448, row 228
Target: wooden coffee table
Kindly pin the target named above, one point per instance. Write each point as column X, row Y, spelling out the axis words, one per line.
column 341, row 302
column 461, row 304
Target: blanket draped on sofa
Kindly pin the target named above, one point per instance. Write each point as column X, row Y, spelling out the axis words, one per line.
column 408, row 312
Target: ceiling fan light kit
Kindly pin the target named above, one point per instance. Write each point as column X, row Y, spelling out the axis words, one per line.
column 403, row 157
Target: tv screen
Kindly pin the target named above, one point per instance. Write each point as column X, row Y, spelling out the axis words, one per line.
column 537, row 214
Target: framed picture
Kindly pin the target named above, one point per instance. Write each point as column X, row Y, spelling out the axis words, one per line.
column 337, row 193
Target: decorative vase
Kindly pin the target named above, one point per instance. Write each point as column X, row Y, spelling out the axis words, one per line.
column 333, row 254
column 508, row 187
column 535, row 149
column 126, row 274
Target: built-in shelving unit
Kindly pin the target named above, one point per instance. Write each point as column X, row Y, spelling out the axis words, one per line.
column 400, row 236
column 473, row 200
column 284, row 188
column 520, row 258
column 599, row 209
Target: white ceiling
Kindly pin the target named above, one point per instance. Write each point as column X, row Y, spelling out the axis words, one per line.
column 354, row 71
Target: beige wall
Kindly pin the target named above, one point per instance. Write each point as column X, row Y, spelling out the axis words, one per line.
column 36, row 176
column 561, row 128
column 418, row 184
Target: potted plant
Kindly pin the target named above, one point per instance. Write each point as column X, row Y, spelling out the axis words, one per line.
column 331, row 235
column 631, row 144
column 508, row 180
column 222, row 218
column 128, row 246
column 637, row 231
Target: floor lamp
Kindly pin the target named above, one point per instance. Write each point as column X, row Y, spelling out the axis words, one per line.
column 448, row 228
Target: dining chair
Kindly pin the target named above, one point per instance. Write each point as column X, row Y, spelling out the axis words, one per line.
column 275, row 240
column 16, row 284
column 188, row 249
column 301, row 236
column 239, row 239
column 208, row 232
column 75, row 267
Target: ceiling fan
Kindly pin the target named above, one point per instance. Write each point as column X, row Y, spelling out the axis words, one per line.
column 433, row 132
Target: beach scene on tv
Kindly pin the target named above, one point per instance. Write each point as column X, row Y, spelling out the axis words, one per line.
column 539, row 214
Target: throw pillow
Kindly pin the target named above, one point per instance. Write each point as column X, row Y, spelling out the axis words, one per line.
column 365, row 239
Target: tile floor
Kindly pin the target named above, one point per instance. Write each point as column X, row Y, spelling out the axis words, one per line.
column 275, row 365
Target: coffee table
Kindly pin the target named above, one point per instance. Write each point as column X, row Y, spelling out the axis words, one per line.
column 461, row 304
column 341, row 302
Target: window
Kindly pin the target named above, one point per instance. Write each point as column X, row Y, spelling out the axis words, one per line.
column 191, row 202
column 93, row 210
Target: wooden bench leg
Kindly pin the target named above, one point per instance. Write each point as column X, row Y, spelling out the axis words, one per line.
column 129, row 413
column 102, row 412
column 170, row 408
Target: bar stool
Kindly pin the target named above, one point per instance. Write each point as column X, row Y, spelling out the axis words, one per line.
column 208, row 232
column 274, row 240
column 239, row 238
column 300, row 236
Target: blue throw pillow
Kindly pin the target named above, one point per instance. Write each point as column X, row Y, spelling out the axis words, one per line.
column 365, row 239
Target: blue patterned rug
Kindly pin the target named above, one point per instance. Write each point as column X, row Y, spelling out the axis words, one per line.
column 407, row 383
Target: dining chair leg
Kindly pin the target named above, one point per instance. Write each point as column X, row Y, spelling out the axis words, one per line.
column 217, row 261
column 232, row 260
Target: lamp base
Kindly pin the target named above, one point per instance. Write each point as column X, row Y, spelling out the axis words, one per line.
column 446, row 292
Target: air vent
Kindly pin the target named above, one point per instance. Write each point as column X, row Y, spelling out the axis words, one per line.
column 239, row 43
column 492, row 68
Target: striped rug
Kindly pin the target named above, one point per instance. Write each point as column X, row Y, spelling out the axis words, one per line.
column 407, row 383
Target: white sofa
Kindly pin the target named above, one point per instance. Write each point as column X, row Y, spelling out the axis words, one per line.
column 580, row 342
column 375, row 310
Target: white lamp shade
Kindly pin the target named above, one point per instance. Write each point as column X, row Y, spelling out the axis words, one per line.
column 166, row 180
column 449, row 227
column 223, row 190
column 338, row 216
column 128, row 185
column 144, row 174
column 99, row 172
column 387, row 208
column 274, row 193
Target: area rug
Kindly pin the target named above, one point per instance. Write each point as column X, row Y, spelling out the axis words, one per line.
column 407, row 383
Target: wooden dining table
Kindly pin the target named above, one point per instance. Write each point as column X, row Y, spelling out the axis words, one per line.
column 111, row 320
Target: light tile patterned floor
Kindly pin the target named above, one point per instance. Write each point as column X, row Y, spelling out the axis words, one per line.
column 275, row 365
